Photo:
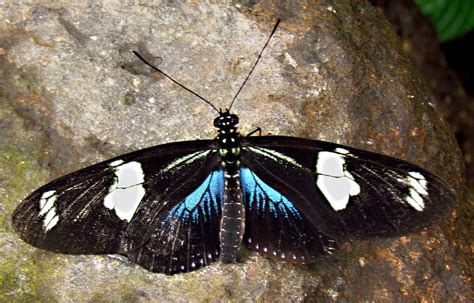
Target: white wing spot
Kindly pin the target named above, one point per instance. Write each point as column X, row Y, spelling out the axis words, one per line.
column 48, row 209
column 52, row 223
column 341, row 150
column 127, row 191
column 47, row 202
column 334, row 180
column 418, row 187
column 116, row 163
column 48, row 194
column 419, row 183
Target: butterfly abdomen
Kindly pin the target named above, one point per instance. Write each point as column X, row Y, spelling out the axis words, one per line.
column 233, row 218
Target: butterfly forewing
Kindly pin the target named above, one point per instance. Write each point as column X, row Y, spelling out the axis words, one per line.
column 344, row 191
column 113, row 206
column 68, row 215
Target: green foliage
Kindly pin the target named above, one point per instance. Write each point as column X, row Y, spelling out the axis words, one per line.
column 452, row 18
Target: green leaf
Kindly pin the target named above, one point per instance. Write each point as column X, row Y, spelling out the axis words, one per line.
column 451, row 18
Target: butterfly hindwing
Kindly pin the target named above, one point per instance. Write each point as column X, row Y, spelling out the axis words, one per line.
column 276, row 227
column 178, row 235
column 105, row 208
column 344, row 191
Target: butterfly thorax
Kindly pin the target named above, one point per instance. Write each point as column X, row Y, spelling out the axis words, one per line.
column 232, row 221
column 229, row 139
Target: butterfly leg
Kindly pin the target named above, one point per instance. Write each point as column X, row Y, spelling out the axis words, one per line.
column 257, row 130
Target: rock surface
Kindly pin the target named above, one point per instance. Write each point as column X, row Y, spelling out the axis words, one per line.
column 72, row 94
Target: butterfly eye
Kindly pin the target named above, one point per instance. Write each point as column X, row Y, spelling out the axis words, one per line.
column 233, row 119
column 219, row 121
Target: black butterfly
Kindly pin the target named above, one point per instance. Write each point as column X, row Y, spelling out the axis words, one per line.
column 178, row 207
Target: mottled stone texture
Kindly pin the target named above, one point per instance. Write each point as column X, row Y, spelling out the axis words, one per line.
column 73, row 94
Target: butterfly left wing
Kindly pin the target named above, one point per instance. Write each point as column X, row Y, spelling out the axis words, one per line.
column 343, row 191
column 172, row 235
column 111, row 207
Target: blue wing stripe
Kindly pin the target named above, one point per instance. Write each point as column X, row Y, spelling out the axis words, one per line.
column 206, row 197
column 255, row 190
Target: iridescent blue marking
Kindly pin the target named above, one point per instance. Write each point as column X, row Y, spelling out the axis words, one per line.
column 208, row 196
column 260, row 193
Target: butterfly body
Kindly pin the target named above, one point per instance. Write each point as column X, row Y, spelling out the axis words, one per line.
column 233, row 210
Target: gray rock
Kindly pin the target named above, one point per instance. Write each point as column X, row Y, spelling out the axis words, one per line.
column 73, row 94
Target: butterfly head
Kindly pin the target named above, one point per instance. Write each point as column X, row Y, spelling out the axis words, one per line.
column 226, row 120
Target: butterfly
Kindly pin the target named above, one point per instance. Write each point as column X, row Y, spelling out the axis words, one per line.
column 178, row 207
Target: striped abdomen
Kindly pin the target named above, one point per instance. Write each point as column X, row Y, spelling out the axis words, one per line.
column 233, row 217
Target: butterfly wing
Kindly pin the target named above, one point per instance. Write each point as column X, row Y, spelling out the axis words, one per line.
column 276, row 227
column 116, row 206
column 173, row 237
column 343, row 191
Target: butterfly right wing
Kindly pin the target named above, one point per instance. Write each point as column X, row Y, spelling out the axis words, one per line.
column 111, row 207
column 346, row 192
column 276, row 227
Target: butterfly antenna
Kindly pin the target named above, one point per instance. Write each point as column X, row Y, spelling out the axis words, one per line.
column 256, row 62
column 176, row 82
